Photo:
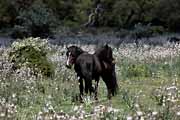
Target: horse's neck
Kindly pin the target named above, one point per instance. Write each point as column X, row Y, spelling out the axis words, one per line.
column 80, row 52
column 99, row 55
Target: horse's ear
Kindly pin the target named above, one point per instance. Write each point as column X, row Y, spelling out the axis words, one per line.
column 106, row 45
column 66, row 47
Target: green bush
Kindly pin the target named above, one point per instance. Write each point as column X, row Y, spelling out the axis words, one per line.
column 141, row 31
column 138, row 70
column 156, row 30
column 31, row 52
column 19, row 32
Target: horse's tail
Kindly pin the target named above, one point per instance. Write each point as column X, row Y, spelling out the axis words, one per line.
column 111, row 81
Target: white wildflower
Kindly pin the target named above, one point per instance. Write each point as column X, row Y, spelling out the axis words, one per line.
column 129, row 118
column 139, row 113
column 154, row 113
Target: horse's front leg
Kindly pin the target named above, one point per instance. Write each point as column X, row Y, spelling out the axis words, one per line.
column 88, row 86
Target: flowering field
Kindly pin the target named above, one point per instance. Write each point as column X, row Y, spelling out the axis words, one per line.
column 148, row 78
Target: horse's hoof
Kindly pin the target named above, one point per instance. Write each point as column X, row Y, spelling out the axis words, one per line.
column 96, row 98
column 81, row 99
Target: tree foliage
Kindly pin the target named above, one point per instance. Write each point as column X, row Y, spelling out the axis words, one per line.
column 7, row 13
column 35, row 20
column 115, row 13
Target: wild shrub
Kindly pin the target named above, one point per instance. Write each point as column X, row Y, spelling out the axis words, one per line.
column 138, row 70
column 19, row 32
column 32, row 53
column 157, row 30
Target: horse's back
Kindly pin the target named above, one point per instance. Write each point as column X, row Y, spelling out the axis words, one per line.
column 84, row 58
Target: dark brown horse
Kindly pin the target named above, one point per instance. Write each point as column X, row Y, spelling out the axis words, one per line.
column 105, row 56
column 92, row 66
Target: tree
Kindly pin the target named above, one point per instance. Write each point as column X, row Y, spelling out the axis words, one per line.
column 7, row 13
column 168, row 11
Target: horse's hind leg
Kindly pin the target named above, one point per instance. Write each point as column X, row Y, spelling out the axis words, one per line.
column 81, row 89
column 96, row 88
column 88, row 86
column 91, row 88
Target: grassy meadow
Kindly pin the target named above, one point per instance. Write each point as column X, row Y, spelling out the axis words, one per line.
column 148, row 78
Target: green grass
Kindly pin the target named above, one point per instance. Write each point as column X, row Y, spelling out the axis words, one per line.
column 138, row 81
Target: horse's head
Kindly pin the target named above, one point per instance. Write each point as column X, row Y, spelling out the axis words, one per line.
column 72, row 53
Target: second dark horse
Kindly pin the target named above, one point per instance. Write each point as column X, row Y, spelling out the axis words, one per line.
column 92, row 66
